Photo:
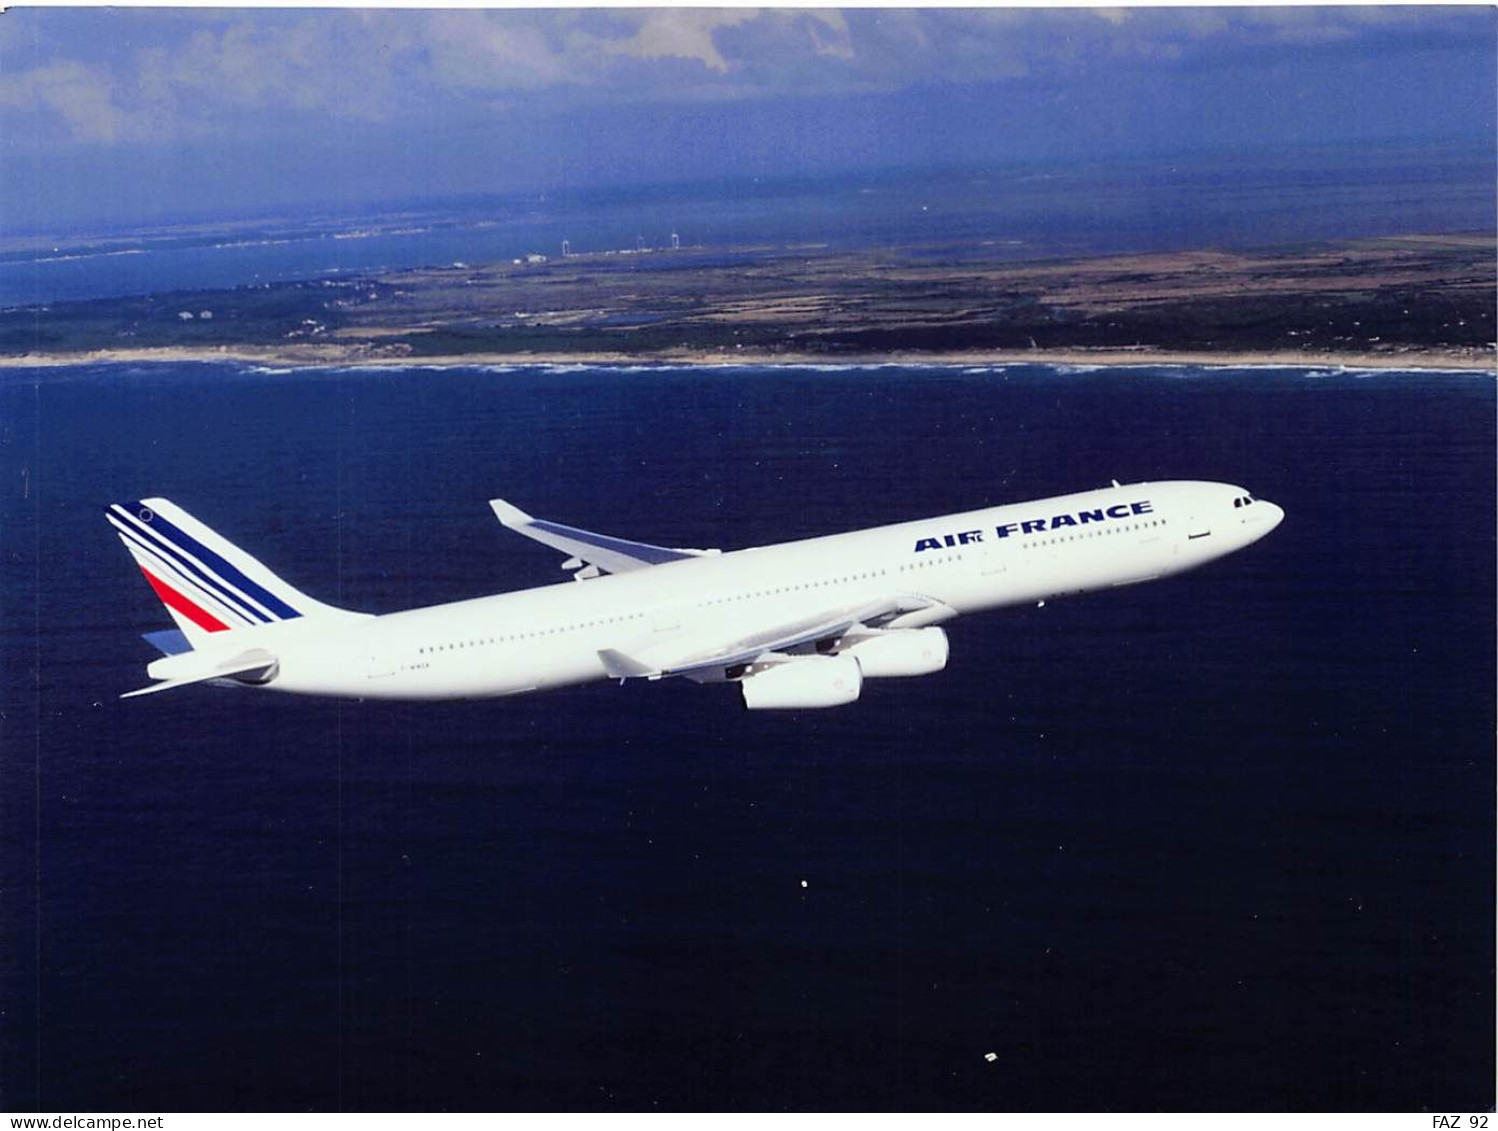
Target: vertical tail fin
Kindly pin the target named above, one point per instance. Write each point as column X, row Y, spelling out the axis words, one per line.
column 209, row 585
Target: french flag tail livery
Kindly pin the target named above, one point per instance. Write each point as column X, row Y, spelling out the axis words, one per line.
column 210, row 586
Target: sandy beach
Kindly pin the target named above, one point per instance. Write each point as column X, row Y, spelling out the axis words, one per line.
column 307, row 356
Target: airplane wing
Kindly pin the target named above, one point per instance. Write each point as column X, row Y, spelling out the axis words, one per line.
column 690, row 653
column 590, row 554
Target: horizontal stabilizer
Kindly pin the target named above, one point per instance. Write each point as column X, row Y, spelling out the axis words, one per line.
column 255, row 666
column 168, row 641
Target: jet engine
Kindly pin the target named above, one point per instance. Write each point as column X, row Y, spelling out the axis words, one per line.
column 902, row 652
column 813, row 681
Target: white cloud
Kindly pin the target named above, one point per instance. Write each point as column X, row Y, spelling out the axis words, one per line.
column 473, row 50
column 679, row 33
column 313, row 63
column 186, row 72
column 81, row 97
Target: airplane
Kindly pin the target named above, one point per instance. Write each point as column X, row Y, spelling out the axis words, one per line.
column 797, row 625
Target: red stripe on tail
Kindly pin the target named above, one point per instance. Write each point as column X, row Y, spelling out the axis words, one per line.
column 174, row 600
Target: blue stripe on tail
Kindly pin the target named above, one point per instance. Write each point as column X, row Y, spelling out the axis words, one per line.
column 223, row 568
column 132, row 531
column 186, row 573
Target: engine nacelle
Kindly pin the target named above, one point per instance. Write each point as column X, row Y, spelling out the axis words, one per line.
column 902, row 652
column 809, row 682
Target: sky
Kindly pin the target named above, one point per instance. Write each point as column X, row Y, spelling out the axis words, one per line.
column 117, row 116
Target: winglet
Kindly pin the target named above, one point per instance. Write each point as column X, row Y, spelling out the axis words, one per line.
column 508, row 514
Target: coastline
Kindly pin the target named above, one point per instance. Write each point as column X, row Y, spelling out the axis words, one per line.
column 1415, row 302
column 308, row 357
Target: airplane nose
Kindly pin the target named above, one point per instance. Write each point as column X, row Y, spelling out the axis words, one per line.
column 1268, row 518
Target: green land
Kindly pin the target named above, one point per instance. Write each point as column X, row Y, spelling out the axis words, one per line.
column 1408, row 301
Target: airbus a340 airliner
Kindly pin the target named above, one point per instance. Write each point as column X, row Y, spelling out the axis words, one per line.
column 795, row 625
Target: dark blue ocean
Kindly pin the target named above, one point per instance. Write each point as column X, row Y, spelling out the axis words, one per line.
column 1221, row 842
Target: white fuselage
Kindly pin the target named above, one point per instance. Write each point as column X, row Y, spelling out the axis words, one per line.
column 960, row 563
